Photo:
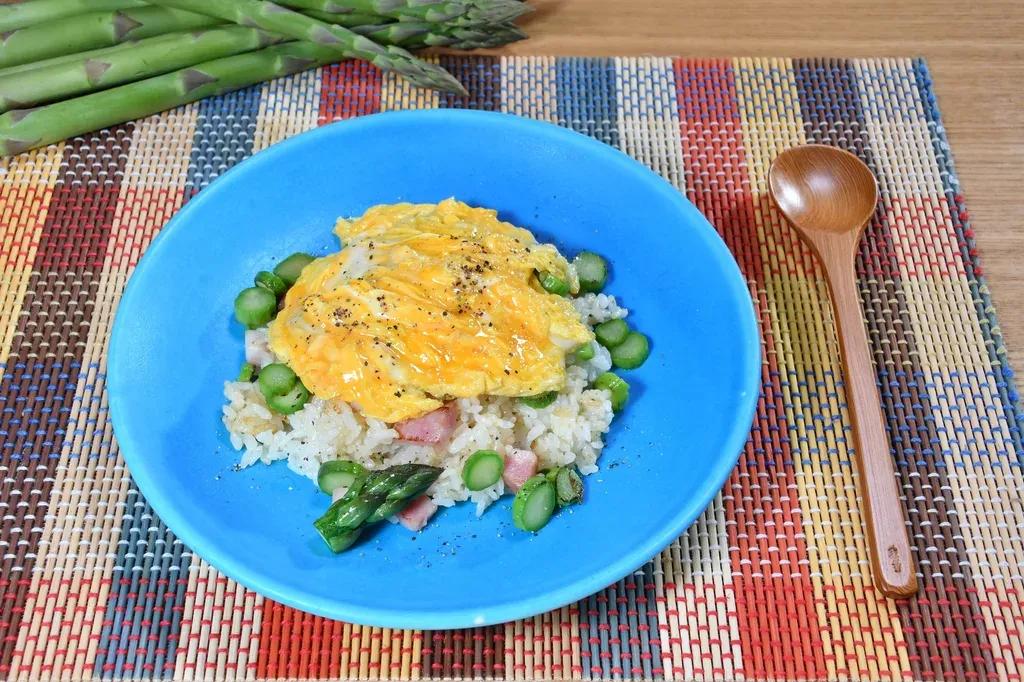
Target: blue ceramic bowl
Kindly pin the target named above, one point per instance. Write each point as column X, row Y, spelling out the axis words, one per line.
column 668, row 453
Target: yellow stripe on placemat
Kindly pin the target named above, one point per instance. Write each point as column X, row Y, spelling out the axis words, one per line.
column 397, row 94
column 288, row 106
column 218, row 630
column 528, row 87
column 697, row 613
column 26, row 185
column 849, row 611
column 898, row 132
column 161, row 149
column 648, row 116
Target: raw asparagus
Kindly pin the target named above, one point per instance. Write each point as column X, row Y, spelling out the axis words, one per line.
column 413, row 35
column 31, row 12
column 434, row 11
column 126, row 63
column 272, row 17
column 347, row 20
column 385, row 493
column 93, row 30
column 72, row 38
column 68, row 75
column 22, row 129
column 473, row 39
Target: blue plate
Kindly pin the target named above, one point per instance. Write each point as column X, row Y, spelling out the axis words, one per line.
column 175, row 342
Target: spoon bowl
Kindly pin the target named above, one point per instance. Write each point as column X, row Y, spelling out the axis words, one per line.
column 823, row 189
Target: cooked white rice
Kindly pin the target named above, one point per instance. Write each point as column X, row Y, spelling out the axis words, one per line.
column 569, row 431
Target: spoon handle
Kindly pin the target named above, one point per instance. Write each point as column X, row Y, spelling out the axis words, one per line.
column 891, row 561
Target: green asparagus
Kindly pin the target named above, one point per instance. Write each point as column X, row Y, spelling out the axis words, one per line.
column 414, row 35
column 347, row 20
column 272, row 17
column 385, row 493
column 74, row 34
column 434, row 11
column 22, row 129
column 76, row 38
column 146, row 58
column 89, row 45
column 21, row 14
column 28, row 85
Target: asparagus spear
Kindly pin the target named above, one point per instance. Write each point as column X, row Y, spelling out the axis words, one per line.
column 415, row 35
column 93, row 30
column 31, row 12
column 61, row 77
column 434, row 11
column 347, row 20
column 72, row 35
column 385, row 493
column 22, row 129
column 126, row 63
column 271, row 17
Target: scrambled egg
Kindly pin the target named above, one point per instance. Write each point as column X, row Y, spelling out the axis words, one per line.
column 426, row 303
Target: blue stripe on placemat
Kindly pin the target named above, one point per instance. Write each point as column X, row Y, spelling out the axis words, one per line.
column 587, row 97
column 984, row 307
column 143, row 616
column 225, row 128
column 481, row 76
column 619, row 630
column 140, row 630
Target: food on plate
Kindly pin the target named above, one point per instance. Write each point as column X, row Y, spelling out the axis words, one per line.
column 440, row 355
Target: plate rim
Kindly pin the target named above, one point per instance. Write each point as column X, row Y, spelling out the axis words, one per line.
column 201, row 544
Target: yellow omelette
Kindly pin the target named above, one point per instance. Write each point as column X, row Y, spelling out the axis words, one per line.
column 428, row 302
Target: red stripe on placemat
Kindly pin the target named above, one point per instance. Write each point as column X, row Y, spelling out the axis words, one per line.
column 349, row 88
column 42, row 371
column 917, row 224
column 143, row 213
column 287, row 649
column 717, row 181
column 780, row 636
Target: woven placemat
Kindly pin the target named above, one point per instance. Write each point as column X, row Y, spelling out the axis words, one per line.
column 772, row 582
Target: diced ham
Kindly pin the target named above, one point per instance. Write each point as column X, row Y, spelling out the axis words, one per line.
column 432, row 428
column 415, row 516
column 520, row 465
column 257, row 348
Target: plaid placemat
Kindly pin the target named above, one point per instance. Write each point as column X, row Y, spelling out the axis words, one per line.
column 772, row 582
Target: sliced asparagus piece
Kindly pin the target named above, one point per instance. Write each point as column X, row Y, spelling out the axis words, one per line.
column 145, row 58
column 272, row 17
column 81, row 32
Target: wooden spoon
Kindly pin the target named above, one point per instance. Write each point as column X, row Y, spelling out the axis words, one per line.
column 829, row 195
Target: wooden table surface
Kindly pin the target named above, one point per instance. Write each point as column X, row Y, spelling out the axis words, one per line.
column 975, row 51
